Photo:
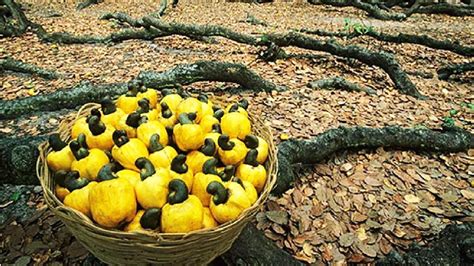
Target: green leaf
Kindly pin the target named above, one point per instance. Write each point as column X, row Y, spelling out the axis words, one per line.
column 471, row 106
column 453, row 112
column 15, row 196
column 448, row 122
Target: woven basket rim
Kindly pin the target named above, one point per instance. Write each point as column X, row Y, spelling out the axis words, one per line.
column 71, row 214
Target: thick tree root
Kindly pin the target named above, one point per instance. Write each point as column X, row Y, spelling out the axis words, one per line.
column 120, row 36
column 423, row 40
column 445, row 72
column 162, row 9
column 180, row 75
column 253, row 248
column 338, row 83
column 252, row 20
column 11, row 64
column 18, row 160
column 447, row 9
column 372, row 10
column 208, row 71
column 13, row 21
column 381, row 59
column 454, row 246
column 123, row 18
column 87, row 3
column 320, row 147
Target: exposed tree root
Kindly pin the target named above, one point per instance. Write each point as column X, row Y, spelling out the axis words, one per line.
column 447, row 9
column 384, row 60
column 424, row 40
column 372, row 10
column 251, row 19
column 311, row 151
column 381, row 10
column 13, row 20
column 211, row 71
column 123, row 18
column 445, row 72
column 454, row 246
column 180, row 75
column 338, row 83
column 87, row 3
column 18, row 159
column 63, row 98
column 162, row 8
column 381, row 59
column 425, row 75
column 11, row 64
column 252, row 247
column 120, row 36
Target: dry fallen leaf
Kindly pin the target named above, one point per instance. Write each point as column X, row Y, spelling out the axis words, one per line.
column 410, row 198
column 468, row 194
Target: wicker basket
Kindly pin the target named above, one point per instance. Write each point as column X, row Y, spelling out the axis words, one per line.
column 118, row 247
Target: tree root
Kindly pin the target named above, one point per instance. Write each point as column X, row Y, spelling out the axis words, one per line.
column 120, row 36
column 423, row 40
column 311, row 151
column 208, row 71
column 180, row 75
column 13, row 20
column 162, row 9
column 87, row 3
column 18, row 159
column 123, row 18
column 372, row 10
column 381, row 59
column 252, row 20
column 252, row 247
column 338, row 83
column 445, row 72
column 17, row 66
column 447, row 9
column 454, row 246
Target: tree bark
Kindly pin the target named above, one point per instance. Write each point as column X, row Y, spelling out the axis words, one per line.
column 454, row 246
column 18, row 157
column 445, row 72
column 11, row 64
column 447, row 9
column 314, row 150
column 63, row 98
column 381, row 59
column 211, row 71
column 252, row 247
column 180, row 75
column 372, row 10
column 16, row 22
column 87, row 3
column 338, row 83
column 116, row 37
column 423, row 40
column 123, row 18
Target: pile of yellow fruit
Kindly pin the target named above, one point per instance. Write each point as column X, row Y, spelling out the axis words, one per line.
column 175, row 164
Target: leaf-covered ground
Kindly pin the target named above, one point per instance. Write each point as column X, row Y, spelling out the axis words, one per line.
column 355, row 207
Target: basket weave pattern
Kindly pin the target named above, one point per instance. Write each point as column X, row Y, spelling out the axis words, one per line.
column 118, row 247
